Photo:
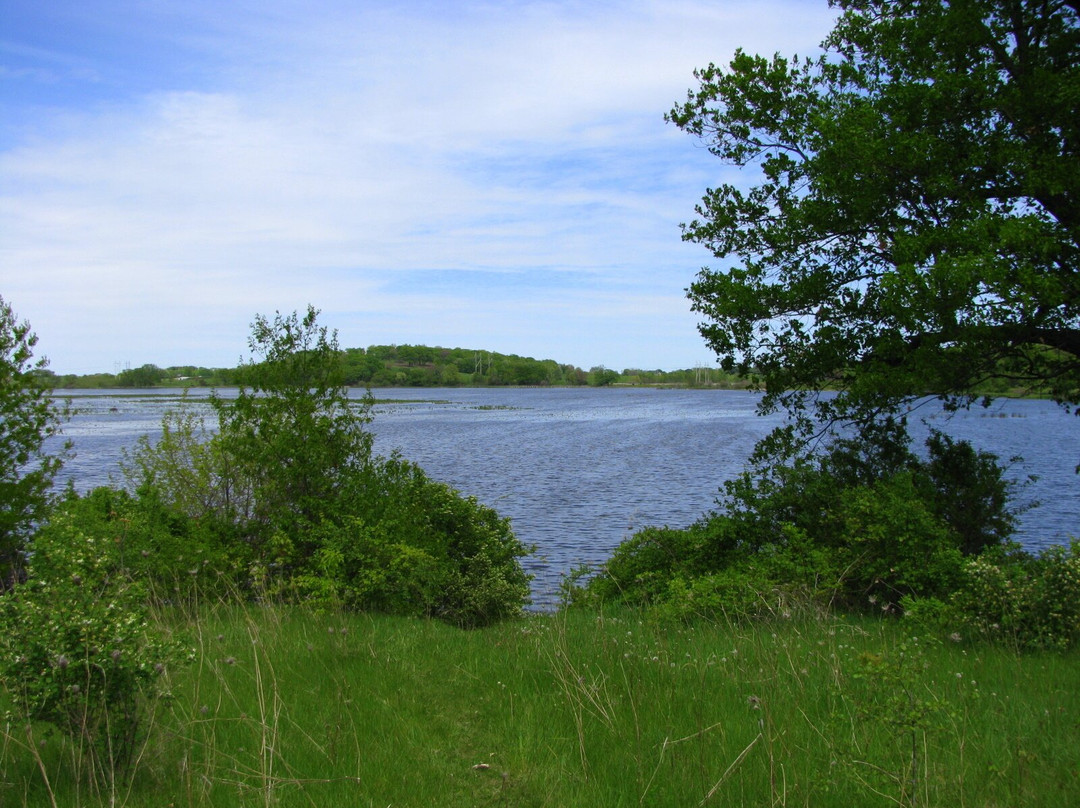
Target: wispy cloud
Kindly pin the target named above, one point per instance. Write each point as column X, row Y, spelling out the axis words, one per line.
column 493, row 175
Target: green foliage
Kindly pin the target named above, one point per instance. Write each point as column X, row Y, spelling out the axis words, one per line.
column 28, row 417
column 864, row 522
column 705, row 572
column 912, row 226
column 289, row 486
column 411, row 366
column 641, row 567
column 969, row 493
column 734, row 594
column 889, row 543
column 189, row 470
column 145, row 376
column 293, row 435
column 601, row 376
column 410, row 545
column 1029, row 602
column 77, row 647
column 176, row 558
column 891, row 522
column 963, row 487
column 424, row 366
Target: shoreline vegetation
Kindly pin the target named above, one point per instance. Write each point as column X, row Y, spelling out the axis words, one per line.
column 415, row 366
column 383, row 366
column 273, row 615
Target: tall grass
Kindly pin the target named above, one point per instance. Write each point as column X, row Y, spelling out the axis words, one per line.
column 287, row 707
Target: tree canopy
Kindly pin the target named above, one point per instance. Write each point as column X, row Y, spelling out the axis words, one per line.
column 913, row 225
column 292, row 426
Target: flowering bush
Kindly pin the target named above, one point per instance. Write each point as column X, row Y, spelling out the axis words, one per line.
column 179, row 558
column 1033, row 601
column 77, row 646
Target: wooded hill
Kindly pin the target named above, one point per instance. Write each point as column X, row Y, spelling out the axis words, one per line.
column 417, row 366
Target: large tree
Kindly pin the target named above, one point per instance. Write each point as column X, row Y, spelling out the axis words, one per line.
column 911, row 223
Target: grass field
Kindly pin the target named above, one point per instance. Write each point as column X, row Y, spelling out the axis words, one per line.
column 284, row 707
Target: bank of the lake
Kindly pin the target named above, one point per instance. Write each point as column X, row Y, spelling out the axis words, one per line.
column 579, row 469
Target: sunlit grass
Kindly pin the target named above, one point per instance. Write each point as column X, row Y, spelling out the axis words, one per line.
column 285, row 707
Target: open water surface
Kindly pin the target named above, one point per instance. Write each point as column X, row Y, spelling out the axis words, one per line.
column 579, row 469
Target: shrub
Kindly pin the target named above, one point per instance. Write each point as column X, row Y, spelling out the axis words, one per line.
column 643, row 566
column 174, row 557
column 889, row 544
column 77, row 647
column 1028, row 601
column 863, row 522
column 967, row 489
column 737, row 593
column 189, row 470
column 411, row 545
column 292, row 435
column 963, row 488
column 290, row 483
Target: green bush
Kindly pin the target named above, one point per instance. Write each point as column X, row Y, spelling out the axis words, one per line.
column 188, row 470
column 863, row 523
column 1029, row 601
column 292, row 437
column 175, row 557
column 963, row 488
column 679, row 571
column 77, row 648
column 28, row 417
column 889, row 544
column 643, row 566
column 968, row 491
column 411, row 545
column 290, row 484
column 737, row 593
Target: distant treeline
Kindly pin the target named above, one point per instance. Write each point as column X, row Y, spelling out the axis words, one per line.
column 417, row 366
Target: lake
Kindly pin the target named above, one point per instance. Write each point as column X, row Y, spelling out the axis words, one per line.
column 579, row 469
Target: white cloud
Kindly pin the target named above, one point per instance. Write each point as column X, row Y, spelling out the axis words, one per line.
column 336, row 150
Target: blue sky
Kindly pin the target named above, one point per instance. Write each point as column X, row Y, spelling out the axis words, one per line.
column 493, row 175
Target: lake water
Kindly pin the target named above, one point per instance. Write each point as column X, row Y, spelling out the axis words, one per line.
column 579, row 469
